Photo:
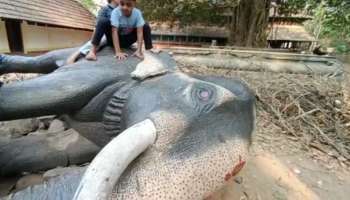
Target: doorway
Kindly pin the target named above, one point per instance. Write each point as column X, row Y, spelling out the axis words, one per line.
column 14, row 35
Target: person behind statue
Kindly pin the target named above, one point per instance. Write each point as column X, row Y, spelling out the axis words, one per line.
column 98, row 38
column 128, row 27
column 318, row 51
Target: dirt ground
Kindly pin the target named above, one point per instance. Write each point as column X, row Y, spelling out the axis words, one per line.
column 279, row 168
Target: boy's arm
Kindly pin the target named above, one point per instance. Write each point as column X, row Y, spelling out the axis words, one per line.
column 139, row 28
column 115, row 37
column 139, row 39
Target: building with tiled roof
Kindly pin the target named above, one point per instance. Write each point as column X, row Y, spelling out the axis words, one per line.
column 42, row 25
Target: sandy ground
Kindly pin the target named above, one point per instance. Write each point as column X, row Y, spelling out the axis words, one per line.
column 279, row 168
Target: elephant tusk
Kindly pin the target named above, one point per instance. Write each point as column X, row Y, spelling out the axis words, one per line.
column 106, row 168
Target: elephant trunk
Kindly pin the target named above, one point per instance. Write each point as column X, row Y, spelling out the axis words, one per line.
column 104, row 171
column 53, row 94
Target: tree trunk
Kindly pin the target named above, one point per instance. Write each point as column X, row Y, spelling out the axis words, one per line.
column 249, row 22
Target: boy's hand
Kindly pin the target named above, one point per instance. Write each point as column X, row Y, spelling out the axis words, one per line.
column 139, row 55
column 121, row 56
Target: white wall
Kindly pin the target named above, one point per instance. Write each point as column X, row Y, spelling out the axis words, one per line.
column 4, row 46
column 40, row 38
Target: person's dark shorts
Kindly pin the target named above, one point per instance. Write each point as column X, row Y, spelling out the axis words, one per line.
column 1, row 58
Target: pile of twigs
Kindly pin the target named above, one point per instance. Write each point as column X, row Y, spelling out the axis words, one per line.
column 308, row 108
column 311, row 109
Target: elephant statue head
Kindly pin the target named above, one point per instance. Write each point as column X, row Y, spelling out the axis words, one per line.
column 201, row 125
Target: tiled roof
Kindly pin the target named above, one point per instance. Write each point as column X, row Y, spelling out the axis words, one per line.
column 67, row 13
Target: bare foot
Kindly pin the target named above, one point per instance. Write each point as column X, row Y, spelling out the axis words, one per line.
column 154, row 50
column 73, row 58
column 91, row 56
column 139, row 55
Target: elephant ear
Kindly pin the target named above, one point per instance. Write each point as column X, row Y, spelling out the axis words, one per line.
column 152, row 65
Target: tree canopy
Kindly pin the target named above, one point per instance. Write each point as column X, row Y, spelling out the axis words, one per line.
column 185, row 11
column 246, row 20
column 89, row 4
column 331, row 19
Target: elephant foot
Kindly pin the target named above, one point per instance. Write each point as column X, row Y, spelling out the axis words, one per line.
column 58, row 187
column 41, row 152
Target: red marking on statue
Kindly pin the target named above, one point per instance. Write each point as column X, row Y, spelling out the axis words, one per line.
column 209, row 197
column 228, row 176
column 236, row 169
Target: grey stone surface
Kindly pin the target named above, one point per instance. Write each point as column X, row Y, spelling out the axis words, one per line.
column 18, row 128
column 60, row 171
column 39, row 133
column 38, row 152
column 28, row 180
column 57, row 126
column 204, row 125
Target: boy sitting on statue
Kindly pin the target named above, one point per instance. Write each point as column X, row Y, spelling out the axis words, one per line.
column 98, row 37
column 125, row 27
column 128, row 27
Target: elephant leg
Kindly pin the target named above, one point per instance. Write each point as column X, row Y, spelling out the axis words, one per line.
column 58, row 188
column 41, row 152
column 57, row 93
column 42, row 64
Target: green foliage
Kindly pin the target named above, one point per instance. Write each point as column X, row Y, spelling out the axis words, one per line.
column 331, row 20
column 89, row 4
column 246, row 19
column 186, row 11
column 292, row 7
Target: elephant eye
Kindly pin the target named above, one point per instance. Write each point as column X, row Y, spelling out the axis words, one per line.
column 203, row 97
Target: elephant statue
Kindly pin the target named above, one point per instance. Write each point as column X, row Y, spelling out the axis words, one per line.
column 164, row 134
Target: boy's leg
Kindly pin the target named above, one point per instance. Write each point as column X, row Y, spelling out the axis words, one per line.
column 102, row 26
column 127, row 40
column 74, row 57
column 82, row 52
column 108, row 34
column 147, row 37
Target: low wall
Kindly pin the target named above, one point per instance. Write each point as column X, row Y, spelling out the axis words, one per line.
column 42, row 38
column 4, row 46
column 244, row 60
